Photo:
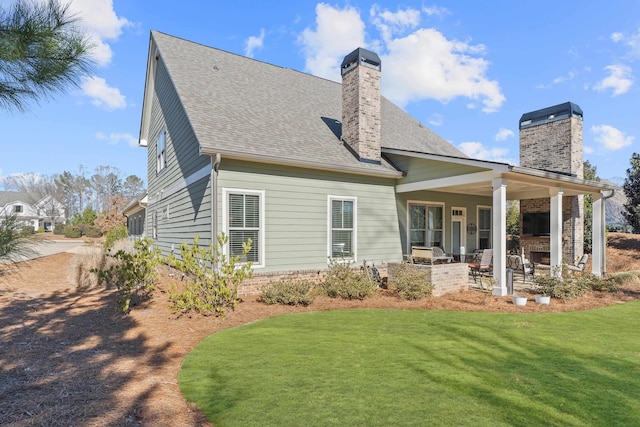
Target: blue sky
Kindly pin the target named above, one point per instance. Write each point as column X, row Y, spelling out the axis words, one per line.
column 468, row 70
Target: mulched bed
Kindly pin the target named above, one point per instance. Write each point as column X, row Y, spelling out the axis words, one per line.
column 66, row 358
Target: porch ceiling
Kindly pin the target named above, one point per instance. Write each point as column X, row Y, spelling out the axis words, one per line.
column 520, row 186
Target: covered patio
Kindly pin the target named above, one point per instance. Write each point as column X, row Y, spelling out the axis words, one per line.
column 502, row 182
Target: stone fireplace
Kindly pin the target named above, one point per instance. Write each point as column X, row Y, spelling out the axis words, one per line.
column 551, row 140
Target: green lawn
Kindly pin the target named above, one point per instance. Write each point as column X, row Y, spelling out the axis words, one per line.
column 413, row 367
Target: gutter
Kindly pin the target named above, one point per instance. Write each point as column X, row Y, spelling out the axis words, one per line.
column 215, row 165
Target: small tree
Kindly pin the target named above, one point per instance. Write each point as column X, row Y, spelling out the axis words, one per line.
column 113, row 217
column 213, row 277
column 631, row 189
column 13, row 243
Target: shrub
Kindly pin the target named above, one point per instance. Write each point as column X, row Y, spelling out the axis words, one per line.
column 133, row 273
column 209, row 290
column 91, row 231
column 288, row 291
column 409, row 281
column 565, row 285
column 40, row 229
column 58, row 228
column 72, row 231
column 27, row 230
column 116, row 233
column 344, row 281
column 600, row 284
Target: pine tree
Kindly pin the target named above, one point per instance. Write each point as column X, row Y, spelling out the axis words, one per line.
column 41, row 52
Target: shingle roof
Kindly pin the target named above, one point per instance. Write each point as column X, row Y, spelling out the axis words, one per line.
column 16, row 196
column 245, row 108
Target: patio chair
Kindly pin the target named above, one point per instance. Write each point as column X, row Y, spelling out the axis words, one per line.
column 440, row 255
column 521, row 265
column 485, row 265
column 579, row 267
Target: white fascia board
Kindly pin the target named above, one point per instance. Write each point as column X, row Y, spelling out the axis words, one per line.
column 450, row 181
column 147, row 100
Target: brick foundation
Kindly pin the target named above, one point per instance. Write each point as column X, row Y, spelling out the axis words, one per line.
column 445, row 277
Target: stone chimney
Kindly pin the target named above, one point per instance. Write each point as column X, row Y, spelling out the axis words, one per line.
column 361, row 104
column 551, row 140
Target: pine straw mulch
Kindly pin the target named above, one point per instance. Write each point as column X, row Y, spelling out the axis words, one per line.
column 66, row 358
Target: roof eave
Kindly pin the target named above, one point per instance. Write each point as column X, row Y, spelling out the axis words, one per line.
column 307, row 164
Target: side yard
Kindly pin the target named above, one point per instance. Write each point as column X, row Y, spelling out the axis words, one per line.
column 67, row 358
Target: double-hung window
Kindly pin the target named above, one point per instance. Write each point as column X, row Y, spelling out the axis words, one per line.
column 426, row 225
column 161, row 152
column 244, row 220
column 484, row 228
column 17, row 208
column 342, row 227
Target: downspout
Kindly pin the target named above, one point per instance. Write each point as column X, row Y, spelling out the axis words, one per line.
column 603, row 228
column 214, row 200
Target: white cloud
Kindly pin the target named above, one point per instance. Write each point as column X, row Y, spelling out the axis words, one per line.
column 503, row 134
column 611, row 138
column 588, row 149
column 338, row 32
column 253, row 43
column 419, row 65
column 436, row 11
column 619, row 80
column 426, row 64
column 115, row 138
column 562, row 79
column 102, row 95
column 632, row 42
column 99, row 20
column 478, row 151
column 390, row 23
column 436, row 119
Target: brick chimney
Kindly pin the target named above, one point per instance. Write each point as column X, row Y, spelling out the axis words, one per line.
column 361, row 104
column 551, row 140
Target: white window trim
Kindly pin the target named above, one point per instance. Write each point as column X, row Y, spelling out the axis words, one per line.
column 463, row 225
column 225, row 221
column 490, row 209
column 354, row 242
column 161, row 156
column 425, row 203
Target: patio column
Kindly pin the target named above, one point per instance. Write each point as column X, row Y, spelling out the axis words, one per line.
column 556, row 230
column 597, row 236
column 499, row 237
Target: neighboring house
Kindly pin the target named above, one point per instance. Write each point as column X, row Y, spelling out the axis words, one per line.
column 312, row 170
column 136, row 211
column 32, row 209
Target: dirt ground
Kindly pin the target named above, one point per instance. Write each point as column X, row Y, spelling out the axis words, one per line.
column 67, row 358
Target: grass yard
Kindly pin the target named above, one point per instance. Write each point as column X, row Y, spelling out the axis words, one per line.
column 419, row 367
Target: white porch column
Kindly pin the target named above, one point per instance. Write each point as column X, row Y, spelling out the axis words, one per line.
column 556, row 230
column 499, row 236
column 597, row 236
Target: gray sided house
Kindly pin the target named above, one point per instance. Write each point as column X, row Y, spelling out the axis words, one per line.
column 312, row 170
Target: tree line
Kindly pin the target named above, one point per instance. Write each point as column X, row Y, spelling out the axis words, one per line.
column 81, row 194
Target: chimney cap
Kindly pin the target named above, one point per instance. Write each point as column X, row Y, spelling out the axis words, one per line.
column 361, row 56
column 544, row 115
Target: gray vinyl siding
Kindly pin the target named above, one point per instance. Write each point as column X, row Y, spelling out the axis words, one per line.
column 189, row 206
column 296, row 212
column 417, row 169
